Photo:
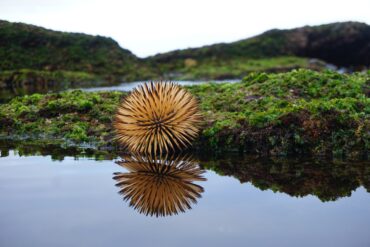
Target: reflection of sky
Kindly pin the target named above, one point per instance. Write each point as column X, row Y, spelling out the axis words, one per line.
column 75, row 203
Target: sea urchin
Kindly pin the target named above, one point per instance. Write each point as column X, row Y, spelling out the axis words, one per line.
column 157, row 117
column 159, row 185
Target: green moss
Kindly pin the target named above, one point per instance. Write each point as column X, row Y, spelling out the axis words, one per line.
column 287, row 113
column 72, row 115
column 225, row 68
column 300, row 112
column 78, row 132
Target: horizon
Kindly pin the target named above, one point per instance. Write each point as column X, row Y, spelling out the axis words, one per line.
column 190, row 27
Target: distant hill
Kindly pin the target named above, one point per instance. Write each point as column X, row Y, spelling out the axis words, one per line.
column 38, row 49
column 342, row 44
column 25, row 46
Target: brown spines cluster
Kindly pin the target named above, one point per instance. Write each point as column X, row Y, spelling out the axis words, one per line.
column 157, row 117
column 159, row 186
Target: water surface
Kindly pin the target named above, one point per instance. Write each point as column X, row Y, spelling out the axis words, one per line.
column 73, row 201
column 6, row 94
column 128, row 86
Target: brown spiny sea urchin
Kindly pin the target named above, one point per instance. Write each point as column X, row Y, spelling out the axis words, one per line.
column 159, row 185
column 157, row 117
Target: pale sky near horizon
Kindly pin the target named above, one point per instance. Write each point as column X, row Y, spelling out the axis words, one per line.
column 147, row 27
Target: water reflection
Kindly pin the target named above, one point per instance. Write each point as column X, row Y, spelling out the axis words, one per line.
column 159, row 185
column 327, row 180
column 56, row 151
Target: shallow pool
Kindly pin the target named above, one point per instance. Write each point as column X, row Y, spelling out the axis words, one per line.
column 75, row 202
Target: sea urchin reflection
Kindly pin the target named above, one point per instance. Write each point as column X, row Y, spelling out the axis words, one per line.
column 157, row 117
column 159, row 186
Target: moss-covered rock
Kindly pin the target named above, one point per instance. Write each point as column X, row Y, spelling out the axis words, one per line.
column 40, row 79
column 300, row 112
column 25, row 81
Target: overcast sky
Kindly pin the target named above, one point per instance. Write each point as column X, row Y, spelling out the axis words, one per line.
column 147, row 27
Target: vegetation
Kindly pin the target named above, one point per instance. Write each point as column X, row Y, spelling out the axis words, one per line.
column 64, row 117
column 289, row 113
column 342, row 44
column 25, row 46
column 30, row 47
column 51, row 54
column 219, row 69
column 26, row 81
column 300, row 112
column 20, row 78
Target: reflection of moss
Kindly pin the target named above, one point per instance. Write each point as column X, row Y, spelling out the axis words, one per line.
column 327, row 180
column 57, row 150
column 301, row 112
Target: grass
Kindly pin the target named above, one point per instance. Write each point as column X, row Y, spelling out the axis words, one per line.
column 300, row 112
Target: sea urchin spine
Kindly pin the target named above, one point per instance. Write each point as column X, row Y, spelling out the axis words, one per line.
column 157, row 117
column 160, row 186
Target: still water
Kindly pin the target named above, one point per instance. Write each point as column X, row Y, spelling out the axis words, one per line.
column 231, row 201
column 128, row 86
column 6, row 94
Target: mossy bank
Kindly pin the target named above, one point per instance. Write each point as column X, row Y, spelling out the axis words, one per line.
column 26, row 81
column 301, row 112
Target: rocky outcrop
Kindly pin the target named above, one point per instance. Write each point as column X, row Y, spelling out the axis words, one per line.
column 343, row 44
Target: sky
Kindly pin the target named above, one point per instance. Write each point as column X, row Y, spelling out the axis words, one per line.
column 148, row 27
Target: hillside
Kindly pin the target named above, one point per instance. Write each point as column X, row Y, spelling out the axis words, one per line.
column 25, row 46
column 37, row 49
column 343, row 44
